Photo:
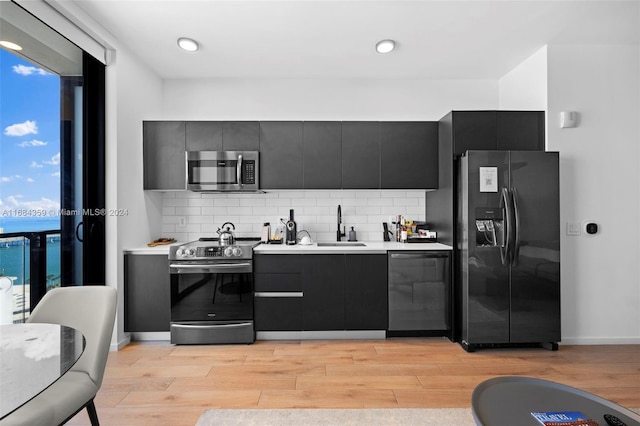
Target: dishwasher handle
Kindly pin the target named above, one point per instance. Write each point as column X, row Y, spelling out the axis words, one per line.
column 421, row 255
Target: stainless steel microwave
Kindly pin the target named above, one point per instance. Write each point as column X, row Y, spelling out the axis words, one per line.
column 223, row 171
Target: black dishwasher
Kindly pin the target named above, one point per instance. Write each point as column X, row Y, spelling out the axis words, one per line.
column 419, row 293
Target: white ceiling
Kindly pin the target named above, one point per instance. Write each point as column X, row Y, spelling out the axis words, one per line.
column 335, row 39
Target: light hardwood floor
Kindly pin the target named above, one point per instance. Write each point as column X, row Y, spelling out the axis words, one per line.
column 161, row 384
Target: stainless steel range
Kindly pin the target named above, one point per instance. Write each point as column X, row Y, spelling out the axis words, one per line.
column 212, row 292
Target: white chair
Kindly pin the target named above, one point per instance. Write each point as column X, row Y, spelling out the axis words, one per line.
column 92, row 310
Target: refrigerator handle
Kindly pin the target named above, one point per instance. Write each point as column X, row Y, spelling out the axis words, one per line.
column 516, row 225
column 505, row 252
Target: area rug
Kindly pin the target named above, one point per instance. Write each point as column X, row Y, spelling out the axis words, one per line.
column 341, row 417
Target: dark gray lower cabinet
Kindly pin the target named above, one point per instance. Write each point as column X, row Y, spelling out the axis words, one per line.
column 147, row 305
column 278, row 313
column 278, row 285
column 323, row 285
column 338, row 292
column 366, row 292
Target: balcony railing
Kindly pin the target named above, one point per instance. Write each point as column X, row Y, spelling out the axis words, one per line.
column 29, row 267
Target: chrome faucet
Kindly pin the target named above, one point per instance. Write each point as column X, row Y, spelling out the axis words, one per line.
column 340, row 234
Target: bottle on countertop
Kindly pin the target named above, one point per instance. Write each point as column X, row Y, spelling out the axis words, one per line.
column 352, row 235
column 266, row 232
column 398, row 228
column 291, row 230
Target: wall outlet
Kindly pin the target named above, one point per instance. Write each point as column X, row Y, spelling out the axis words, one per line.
column 573, row 228
column 182, row 221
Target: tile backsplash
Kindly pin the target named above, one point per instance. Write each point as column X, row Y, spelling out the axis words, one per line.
column 188, row 216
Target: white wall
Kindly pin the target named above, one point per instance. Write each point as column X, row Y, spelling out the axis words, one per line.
column 134, row 93
column 525, row 86
column 324, row 99
column 599, row 182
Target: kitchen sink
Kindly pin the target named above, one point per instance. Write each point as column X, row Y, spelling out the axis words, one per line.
column 342, row 244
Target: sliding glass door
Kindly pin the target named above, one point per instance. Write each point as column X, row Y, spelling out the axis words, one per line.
column 82, row 181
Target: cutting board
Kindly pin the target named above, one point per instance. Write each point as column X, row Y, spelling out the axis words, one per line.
column 161, row 242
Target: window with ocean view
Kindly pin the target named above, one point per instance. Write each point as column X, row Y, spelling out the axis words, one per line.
column 52, row 97
column 40, row 72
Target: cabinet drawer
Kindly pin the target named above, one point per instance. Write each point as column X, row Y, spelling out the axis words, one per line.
column 277, row 282
column 277, row 263
column 278, row 313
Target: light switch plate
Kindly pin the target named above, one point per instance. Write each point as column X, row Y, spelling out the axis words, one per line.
column 573, row 228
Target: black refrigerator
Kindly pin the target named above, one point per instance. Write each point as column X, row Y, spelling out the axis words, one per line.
column 508, row 240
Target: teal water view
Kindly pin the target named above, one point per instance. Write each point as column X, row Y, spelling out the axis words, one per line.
column 14, row 252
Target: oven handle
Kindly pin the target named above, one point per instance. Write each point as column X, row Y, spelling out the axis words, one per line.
column 242, row 324
column 219, row 267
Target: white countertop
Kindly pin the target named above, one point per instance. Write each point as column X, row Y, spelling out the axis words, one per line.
column 371, row 247
column 160, row 250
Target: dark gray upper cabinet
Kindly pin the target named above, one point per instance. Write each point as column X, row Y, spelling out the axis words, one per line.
column 222, row 135
column 409, row 155
column 241, row 135
column 495, row 130
column 309, row 155
column 360, row 155
column 281, row 155
column 163, row 147
column 322, row 155
column 204, row 135
column 473, row 130
column 520, row 130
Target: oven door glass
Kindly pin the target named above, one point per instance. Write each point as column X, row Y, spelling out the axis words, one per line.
column 211, row 296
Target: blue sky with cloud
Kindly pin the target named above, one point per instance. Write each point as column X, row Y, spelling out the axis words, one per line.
column 29, row 135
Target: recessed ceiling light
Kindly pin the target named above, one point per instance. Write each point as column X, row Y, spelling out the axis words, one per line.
column 188, row 44
column 385, row 46
column 10, row 45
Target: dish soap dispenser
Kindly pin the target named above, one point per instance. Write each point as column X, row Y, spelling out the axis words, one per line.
column 352, row 235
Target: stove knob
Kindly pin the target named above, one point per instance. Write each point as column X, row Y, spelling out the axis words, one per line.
column 237, row 251
column 228, row 252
